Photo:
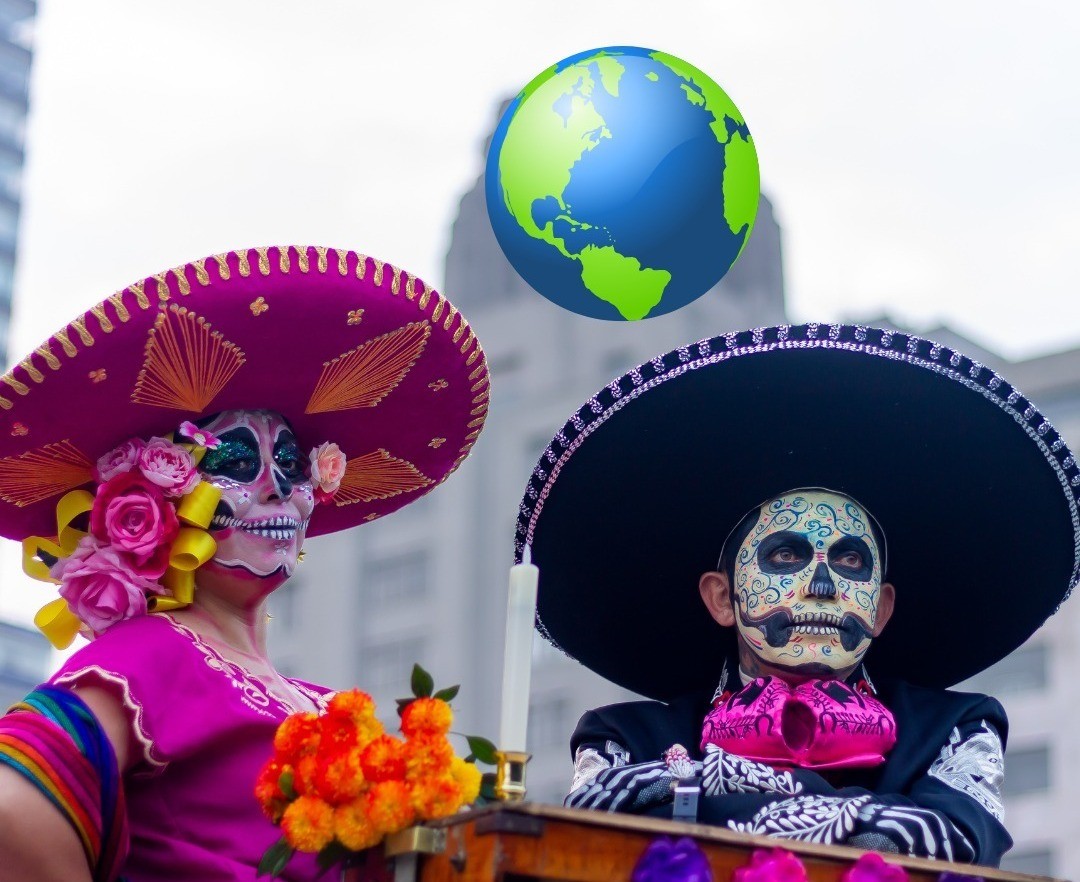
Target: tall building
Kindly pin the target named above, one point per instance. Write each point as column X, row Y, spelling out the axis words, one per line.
column 24, row 660
column 428, row 584
column 16, row 16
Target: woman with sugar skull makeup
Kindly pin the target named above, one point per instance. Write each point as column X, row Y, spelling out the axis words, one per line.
column 163, row 458
column 751, row 501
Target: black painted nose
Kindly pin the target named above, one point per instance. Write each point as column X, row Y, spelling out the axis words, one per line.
column 821, row 585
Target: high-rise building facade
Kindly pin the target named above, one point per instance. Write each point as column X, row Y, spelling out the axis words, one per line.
column 16, row 17
column 24, row 661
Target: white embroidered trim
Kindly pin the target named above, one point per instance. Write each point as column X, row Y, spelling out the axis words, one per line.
column 587, row 765
column 975, row 766
column 823, row 819
column 73, row 678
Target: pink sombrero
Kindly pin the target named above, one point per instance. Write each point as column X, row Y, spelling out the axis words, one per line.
column 347, row 348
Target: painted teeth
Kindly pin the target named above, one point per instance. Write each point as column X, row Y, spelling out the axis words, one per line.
column 280, row 527
column 824, row 619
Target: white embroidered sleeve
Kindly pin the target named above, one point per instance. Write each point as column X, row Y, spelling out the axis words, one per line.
column 974, row 766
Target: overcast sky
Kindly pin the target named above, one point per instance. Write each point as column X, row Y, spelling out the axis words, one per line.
column 922, row 156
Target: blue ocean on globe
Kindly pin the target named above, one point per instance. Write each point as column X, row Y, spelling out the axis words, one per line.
column 622, row 183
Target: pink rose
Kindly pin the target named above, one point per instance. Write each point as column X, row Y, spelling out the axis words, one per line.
column 133, row 516
column 120, row 459
column 327, row 469
column 100, row 586
column 169, row 466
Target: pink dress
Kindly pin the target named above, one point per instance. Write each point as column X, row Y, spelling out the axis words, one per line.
column 203, row 728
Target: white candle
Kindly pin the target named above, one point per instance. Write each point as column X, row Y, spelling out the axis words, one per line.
column 517, row 662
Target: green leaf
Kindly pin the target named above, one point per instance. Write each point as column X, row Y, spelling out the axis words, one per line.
column 275, row 858
column 487, row 785
column 482, row 749
column 285, row 784
column 448, row 694
column 422, row 683
column 330, row 856
column 403, row 703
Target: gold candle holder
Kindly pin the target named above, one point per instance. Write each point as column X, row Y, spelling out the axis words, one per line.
column 510, row 775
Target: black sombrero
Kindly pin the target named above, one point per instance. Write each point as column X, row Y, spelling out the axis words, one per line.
column 632, row 500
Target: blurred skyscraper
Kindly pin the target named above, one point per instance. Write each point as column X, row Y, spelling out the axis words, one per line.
column 16, row 18
column 24, row 659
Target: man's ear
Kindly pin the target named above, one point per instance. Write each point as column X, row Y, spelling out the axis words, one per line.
column 715, row 591
column 885, row 605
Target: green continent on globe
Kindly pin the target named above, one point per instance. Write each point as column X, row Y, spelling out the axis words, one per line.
column 621, row 281
column 533, row 166
column 742, row 183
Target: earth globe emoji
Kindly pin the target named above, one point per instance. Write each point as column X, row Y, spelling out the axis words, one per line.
column 622, row 183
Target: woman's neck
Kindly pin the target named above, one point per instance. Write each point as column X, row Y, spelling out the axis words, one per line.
column 240, row 629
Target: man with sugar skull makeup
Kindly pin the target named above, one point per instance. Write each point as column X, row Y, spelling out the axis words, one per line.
column 821, row 487
column 142, row 475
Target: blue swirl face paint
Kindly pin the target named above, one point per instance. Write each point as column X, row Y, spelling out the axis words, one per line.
column 807, row 583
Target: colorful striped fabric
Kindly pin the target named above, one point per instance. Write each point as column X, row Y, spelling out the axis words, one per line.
column 56, row 742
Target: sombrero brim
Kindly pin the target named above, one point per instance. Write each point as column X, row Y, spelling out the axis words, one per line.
column 347, row 348
column 976, row 491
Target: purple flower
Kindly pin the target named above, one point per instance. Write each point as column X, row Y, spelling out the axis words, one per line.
column 871, row 867
column 670, row 860
column 775, row 865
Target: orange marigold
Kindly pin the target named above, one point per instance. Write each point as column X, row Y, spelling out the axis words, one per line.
column 383, row 759
column 297, row 736
column 308, row 824
column 436, row 797
column 389, row 806
column 427, row 756
column 429, row 716
column 467, row 777
column 304, row 773
column 353, row 827
column 268, row 789
column 336, row 732
column 354, row 704
column 339, row 778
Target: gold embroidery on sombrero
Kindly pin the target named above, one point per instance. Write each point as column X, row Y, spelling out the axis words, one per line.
column 43, row 472
column 302, row 259
column 258, row 306
column 201, row 275
column 320, row 252
column 245, row 267
column 436, row 443
column 378, row 475
column 365, row 375
column 264, row 261
column 187, row 363
column 395, row 280
column 410, row 290
column 343, row 266
column 19, row 430
column 438, row 385
column 138, row 289
column 222, row 261
column 355, row 317
column 98, row 376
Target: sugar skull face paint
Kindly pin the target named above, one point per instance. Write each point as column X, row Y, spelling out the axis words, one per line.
column 266, row 497
column 807, row 583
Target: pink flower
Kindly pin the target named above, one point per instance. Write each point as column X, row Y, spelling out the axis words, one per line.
column 200, row 436
column 169, row 466
column 327, row 470
column 871, row 868
column 100, row 586
column 133, row 516
column 120, row 459
column 775, row 865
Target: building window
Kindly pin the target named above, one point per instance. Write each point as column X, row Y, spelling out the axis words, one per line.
column 386, row 667
column 1036, row 862
column 549, row 722
column 1027, row 770
column 396, row 579
column 1022, row 671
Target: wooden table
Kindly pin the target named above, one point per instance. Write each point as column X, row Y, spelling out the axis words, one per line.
column 523, row 842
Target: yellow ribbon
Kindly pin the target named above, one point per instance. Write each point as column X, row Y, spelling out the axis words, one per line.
column 192, row 547
column 197, row 508
column 57, row 622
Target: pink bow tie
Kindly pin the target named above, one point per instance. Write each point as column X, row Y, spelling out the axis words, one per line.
column 819, row 724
